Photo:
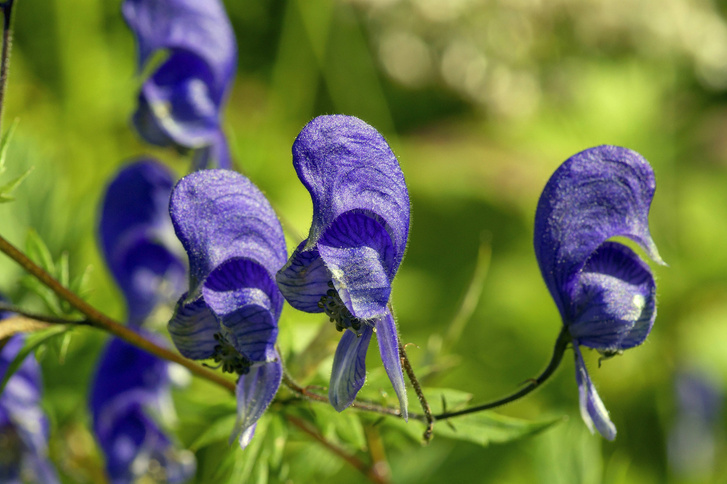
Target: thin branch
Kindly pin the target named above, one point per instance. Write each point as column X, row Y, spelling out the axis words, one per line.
column 418, row 389
column 560, row 346
column 42, row 317
column 97, row 319
column 367, row 470
column 7, row 8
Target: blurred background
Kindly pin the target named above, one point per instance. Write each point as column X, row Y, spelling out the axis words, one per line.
column 481, row 101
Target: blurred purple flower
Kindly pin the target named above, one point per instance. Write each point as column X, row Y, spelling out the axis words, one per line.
column 181, row 101
column 137, row 238
column 131, row 385
column 23, row 426
column 605, row 293
column 230, row 313
column 697, row 429
column 356, row 242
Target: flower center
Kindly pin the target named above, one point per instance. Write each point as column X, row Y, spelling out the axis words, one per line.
column 334, row 308
column 229, row 359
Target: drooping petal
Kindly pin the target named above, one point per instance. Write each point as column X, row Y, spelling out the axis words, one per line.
column 216, row 154
column 137, row 237
column 220, row 215
column 614, row 304
column 255, row 391
column 201, row 28
column 193, row 328
column 389, row 349
column 600, row 193
column 593, row 411
column 352, row 175
column 349, row 367
column 238, row 292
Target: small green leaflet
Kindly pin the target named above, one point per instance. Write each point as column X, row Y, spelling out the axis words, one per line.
column 7, row 188
column 32, row 342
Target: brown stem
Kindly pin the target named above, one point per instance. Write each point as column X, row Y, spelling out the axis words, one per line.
column 97, row 319
column 7, row 8
column 418, row 389
column 367, row 470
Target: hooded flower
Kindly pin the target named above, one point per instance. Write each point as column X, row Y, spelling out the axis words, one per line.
column 137, row 238
column 23, row 426
column 181, row 101
column 131, row 389
column 605, row 293
column 230, row 313
column 356, row 242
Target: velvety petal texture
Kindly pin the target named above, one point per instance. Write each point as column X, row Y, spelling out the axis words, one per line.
column 180, row 102
column 137, row 238
column 605, row 293
column 130, row 387
column 23, row 425
column 235, row 245
column 355, row 245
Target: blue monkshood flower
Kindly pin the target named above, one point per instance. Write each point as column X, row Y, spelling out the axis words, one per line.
column 130, row 386
column 180, row 102
column 23, row 426
column 235, row 245
column 137, row 238
column 605, row 293
column 356, row 242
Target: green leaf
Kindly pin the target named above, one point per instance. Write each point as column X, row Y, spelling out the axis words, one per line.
column 38, row 252
column 5, row 142
column 7, row 189
column 219, row 430
column 32, row 342
column 485, row 428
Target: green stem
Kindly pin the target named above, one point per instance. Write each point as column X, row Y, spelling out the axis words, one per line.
column 420, row 394
column 560, row 346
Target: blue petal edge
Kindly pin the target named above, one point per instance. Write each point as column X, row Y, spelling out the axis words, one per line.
column 255, row 391
column 593, row 411
column 193, row 328
column 389, row 349
column 349, row 367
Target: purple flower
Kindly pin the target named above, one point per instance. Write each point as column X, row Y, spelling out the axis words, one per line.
column 356, row 242
column 23, row 426
column 129, row 386
column 605, row 293
column 180, row 102
column 230, row 313
column 137, row 238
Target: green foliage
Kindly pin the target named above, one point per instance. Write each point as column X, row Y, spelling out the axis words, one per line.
column 7, row 188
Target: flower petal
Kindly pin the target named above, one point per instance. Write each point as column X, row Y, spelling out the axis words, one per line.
column 216, row 154
column 201, row 28
column 593, row 411
column 389, row 349
column 220, row 215
column 193, row 328
column 597, row 194
column 238, row 292
column 349, row 168
column 304, row 279
column 349, row 367
column 255, row 391
column 614, row 303
column 356, row 250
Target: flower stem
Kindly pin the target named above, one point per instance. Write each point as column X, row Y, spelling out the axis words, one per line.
column 7, row 8
column 97, row 319
column 560, row 346
column 418, row 389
